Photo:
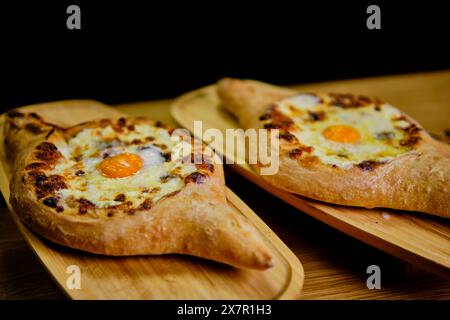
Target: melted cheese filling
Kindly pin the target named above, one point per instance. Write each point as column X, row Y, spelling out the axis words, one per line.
column 153, row 181
column 372, row 135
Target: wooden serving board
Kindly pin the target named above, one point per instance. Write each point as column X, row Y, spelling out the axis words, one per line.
column 154, row 277
column 420, row 239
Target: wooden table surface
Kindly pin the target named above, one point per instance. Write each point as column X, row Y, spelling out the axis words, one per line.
column 335, row 264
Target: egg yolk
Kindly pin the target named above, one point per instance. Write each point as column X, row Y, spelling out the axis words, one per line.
column 341, row 133
column 121, row 165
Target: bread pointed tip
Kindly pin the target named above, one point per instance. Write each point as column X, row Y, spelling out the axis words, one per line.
column 226, row 84
column 266, row 261
column 241, row 244
column 248, row 99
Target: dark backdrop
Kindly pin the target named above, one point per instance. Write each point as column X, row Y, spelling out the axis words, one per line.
column 128, row 51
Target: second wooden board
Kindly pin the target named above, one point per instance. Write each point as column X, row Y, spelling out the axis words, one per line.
column 419, row 239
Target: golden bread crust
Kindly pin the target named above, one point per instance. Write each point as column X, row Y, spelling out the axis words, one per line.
column 196, row 220
column 418, row 180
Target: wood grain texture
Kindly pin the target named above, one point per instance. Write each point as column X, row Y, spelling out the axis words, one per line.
column 419, row 239
column 156, row 277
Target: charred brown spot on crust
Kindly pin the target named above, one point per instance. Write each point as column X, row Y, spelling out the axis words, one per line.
column 347, row 100
column 51, row 202
column 147, row 204
column 84, row 205
column 47, row 152
column 410, row 141
column 105, row 155
column 47, row 146
column 364, row 100
column 412, row 137
column 378, row 102
column 110, row 214
column 150, row 139
column 120, row 197
column 271, row 126
column 46, row 185
column 135, row 141
column 34, row 115
column 377, row 108
column 15, row 114
column 412, row 129
column 369, row 165
column 119, row 125
column 36, row 174
column 400, row 117
column 279, row 121
column 104, row 123
column 34, row 128
column 196, row 177
column 162, row 146
column 279, row 124
column 295, row 153
column 56, row 182
column 131, row 127
column 298, row 152
column 287, row 136
column 131, row 212
column 167, row 156
column 158, row 124
column 79, row 173
column 171, row 194
column 205, row 166
column 316, row 115
column 121, row 122
column 35, row 165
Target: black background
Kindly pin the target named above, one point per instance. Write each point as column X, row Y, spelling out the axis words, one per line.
column 128, row 51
